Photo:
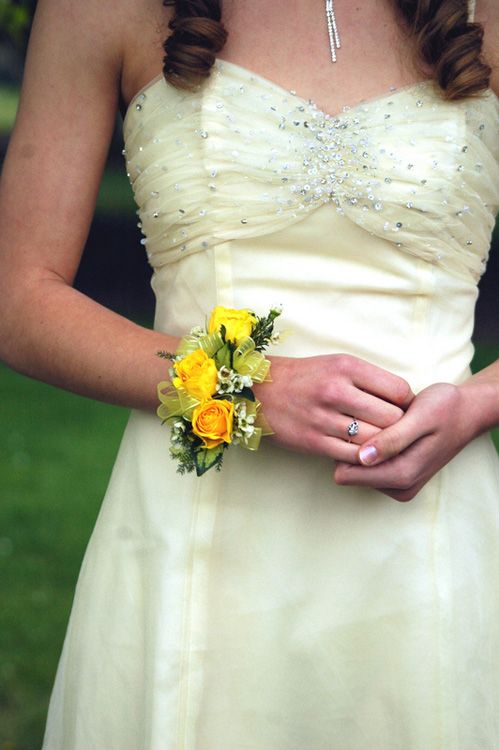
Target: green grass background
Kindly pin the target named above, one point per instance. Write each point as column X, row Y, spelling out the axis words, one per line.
column 56, row 454
column 9, row 96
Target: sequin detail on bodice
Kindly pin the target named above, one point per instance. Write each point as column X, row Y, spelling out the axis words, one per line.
column 242, row 157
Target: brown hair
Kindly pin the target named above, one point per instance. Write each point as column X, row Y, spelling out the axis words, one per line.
column 446, row 43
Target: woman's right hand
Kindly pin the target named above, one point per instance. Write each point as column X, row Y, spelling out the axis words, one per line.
column 310, row 402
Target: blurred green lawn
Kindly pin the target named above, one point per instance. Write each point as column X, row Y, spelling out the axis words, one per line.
column 55, row 458
column 9, row 96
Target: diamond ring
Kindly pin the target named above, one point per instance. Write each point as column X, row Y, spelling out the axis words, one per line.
column 353, row 429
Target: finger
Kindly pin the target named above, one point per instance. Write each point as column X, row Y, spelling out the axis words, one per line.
column 379, row 382
column 368, row 408
column 338, row 425
column 399, row 473
column 403, row 496
column 338, row 450
column 394, row 439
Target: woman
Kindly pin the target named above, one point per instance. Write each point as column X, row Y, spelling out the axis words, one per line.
column 268, row 606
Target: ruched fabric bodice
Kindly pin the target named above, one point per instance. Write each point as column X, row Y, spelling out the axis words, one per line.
column 264, row 607
column 381, row 216
column 242, row 158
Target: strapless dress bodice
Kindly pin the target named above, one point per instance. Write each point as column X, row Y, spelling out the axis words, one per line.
column 371, row 227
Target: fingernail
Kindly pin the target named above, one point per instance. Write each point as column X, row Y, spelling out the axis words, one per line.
column 368, row 454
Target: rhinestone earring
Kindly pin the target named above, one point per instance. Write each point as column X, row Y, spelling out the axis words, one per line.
column 332, row 29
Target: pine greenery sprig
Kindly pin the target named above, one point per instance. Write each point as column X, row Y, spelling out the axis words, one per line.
column 185, row 459
column 192, row 456
column 264, row 329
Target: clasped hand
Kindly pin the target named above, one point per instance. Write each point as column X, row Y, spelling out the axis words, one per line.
column 403, row 439
column 400, row 459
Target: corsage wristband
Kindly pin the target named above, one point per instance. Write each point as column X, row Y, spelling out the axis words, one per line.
column 208, row 401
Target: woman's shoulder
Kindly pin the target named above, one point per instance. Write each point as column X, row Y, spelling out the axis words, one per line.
column 144, row 32
column 117, row 43
column 69, row 37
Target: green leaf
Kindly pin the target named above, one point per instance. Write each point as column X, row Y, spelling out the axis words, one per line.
column 248, row 394
column 223, row 357
column 207, row 458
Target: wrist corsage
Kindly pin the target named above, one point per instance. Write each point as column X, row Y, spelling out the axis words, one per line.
column 208, row 401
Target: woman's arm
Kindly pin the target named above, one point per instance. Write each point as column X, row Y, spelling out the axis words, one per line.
column 52, row 172
column 48, row 191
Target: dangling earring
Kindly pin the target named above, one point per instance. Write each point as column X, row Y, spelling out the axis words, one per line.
column 332, row 29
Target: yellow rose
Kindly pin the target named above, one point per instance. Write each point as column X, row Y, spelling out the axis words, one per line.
column 197, row 373
column 238, row 323
column 212, row 422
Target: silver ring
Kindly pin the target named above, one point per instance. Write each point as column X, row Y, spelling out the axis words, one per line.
column 353, row 429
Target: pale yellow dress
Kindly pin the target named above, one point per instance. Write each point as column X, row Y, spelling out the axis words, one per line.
column 263, row 607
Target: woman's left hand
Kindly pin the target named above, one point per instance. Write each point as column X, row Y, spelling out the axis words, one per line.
column 400, row 459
